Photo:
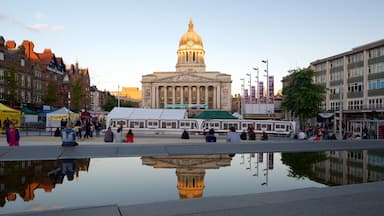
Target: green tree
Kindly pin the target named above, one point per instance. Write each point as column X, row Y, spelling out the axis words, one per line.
column 301, row 164
column 301, row 96
column 77, row 95
column 110, row 103
column 11, row 95
column 51, row 97
column 128, row 104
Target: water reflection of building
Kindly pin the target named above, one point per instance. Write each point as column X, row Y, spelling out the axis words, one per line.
column 24, row 177
column 190, row 170
column 350, row 167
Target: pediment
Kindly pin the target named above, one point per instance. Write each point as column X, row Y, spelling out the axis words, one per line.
column 185, row 78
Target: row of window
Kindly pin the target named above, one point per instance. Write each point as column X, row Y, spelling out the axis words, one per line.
column 355, row 104
column 320, row 79
column 355, row 72
column 375, row 103
column 373, row 53
column 355, row 87
column 376, row 84
column 337, row 63
column 358, row 57
column 335, row 106
column 337, row 75
column 376, row 68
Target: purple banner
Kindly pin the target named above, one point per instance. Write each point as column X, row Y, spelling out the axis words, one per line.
column 246, row 97
column 261, row 92
column 253, row 95
column 271, row 89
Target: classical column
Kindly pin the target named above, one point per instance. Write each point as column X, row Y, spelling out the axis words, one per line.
column 181, row 94
column 214, row 98
column 153, row 97
column 173, row 94
column 218, row 97
column 198, row 95
column 165, row 95
column 206, row 95
column 189, row 95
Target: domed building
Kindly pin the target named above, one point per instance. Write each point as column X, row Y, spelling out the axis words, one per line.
column 190, row 87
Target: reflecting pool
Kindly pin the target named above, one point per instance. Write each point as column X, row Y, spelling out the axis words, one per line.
column 39, row 185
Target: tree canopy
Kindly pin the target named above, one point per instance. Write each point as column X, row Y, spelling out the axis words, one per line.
column 51, row 97
column 301, row 96
column 11, row 96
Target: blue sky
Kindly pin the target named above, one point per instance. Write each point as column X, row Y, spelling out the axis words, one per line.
column 119, row 41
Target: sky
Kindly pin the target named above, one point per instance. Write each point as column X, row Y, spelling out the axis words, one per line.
column 120, row 41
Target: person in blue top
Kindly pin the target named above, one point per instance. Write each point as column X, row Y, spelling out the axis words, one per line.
column 68, row 136
column 210, row 137
column 232, row 136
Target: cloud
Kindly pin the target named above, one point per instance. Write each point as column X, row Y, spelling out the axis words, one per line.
column 37, row 27
column 4, row 18
column 57, row 28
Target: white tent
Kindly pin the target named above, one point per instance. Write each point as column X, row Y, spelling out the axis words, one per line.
column 54, row 118
column 140, row 113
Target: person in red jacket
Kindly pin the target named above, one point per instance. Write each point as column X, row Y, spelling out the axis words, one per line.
column 129, row 137
column 13, row 136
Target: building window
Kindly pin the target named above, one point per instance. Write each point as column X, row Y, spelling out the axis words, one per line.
column 22, row 62
column 1, row 75
column 376, row 68
column 1, row 56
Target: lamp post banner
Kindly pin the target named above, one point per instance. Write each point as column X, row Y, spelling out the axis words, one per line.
column 270, row 88
column 246, row 97
column 261, row 92
column 253, row 95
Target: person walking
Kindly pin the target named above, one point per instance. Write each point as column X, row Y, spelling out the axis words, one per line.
column 68, row 136
column 13, row 135
column 130, row 137
column 232, row 136
column 109, row 136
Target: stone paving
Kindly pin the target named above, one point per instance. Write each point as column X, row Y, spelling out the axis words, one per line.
column 360, row 199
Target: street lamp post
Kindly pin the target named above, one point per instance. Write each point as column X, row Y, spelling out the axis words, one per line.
column 267, row 84
column 242, row 93
column 250, row 81
column 66, row 81
column 257, row 86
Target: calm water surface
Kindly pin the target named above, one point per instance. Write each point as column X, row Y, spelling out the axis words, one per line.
column 38, row 185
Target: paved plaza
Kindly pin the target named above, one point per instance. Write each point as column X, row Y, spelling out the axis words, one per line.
column 359, row 199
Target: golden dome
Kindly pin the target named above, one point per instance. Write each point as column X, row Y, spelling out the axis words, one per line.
column 190, row 39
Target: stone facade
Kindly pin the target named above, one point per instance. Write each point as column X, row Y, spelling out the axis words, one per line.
column 191, row 86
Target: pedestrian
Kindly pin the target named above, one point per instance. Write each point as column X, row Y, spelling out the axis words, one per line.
column 68, row 136
column 232, row 136
column 185, row 135
column 13, row 135
column 119, row 134
column 109, row 136
column 264, row 136
column 130, row 137
column 210, row 137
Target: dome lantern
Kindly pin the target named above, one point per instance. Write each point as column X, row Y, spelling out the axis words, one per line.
column 191, row 52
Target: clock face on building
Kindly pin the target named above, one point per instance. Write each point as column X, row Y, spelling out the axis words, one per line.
column 190, row 43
